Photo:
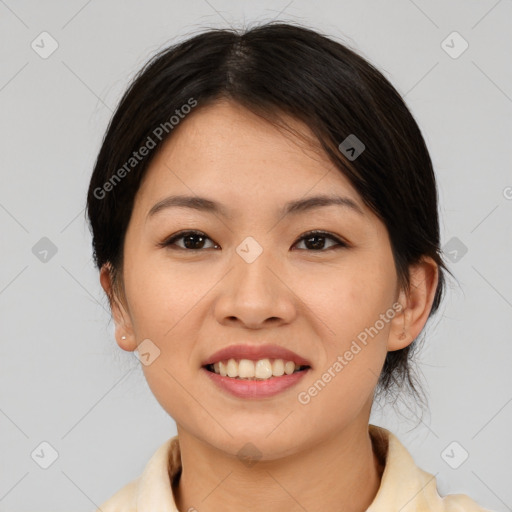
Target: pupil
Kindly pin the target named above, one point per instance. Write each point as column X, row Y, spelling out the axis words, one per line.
column 190, row 237
column 317, row 245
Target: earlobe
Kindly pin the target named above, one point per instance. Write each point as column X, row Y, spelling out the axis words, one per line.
column 124, row 334
column 416, row 304
column 125, row 341
column 399, row 335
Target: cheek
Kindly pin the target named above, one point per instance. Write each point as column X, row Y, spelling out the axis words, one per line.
column 355, row 321
column 167, row 304
column 353, row 311
column 162, row 302
column 161, row 294
column 348, row 299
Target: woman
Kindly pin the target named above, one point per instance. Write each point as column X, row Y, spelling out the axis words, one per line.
column 264, row 219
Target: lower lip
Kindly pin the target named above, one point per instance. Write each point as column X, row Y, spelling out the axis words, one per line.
column 256, row 388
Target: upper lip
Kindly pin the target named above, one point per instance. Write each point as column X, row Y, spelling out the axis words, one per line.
column 256, row 352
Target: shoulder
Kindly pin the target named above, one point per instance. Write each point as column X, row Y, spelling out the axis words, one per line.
column 461, row 503
column 429, row 499
column 153, row 488
column 407, row 487
column 124, row 500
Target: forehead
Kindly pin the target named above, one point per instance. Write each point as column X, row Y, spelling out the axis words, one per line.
column 225, row 151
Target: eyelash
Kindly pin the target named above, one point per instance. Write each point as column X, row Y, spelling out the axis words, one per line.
column 323, row 234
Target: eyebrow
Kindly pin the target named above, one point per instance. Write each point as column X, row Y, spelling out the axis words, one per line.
column 291, row 208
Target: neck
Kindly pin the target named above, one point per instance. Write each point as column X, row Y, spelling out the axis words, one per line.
column 339, row 473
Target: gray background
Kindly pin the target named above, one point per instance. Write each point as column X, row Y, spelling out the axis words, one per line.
column 63, row 379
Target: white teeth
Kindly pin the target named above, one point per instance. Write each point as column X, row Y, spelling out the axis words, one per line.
column 278, row 367
column 232, row 368
column 289, row 367
column 247, row 369
column 263, row 369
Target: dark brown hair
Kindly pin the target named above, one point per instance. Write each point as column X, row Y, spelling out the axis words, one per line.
column 275, row 69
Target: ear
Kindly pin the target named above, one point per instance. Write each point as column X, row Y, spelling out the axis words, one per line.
column 416, row 304
column 119, row 314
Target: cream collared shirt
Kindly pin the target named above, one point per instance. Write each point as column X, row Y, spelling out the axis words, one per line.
column 404, row 486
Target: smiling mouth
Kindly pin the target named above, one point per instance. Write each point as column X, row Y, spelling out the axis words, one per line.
column 264, row 369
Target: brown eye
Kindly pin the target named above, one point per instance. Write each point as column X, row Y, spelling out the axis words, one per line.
column 315, row 241
column 193, row 240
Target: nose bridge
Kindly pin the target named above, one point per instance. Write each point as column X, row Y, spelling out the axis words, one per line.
column 253, row 292
column 253, row 265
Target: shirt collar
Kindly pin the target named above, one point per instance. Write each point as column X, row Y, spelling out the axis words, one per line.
column 403, row 487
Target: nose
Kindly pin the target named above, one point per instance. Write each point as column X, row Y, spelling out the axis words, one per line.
column 256, row 293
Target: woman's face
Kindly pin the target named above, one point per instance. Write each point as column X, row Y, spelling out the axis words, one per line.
column 252, row 281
